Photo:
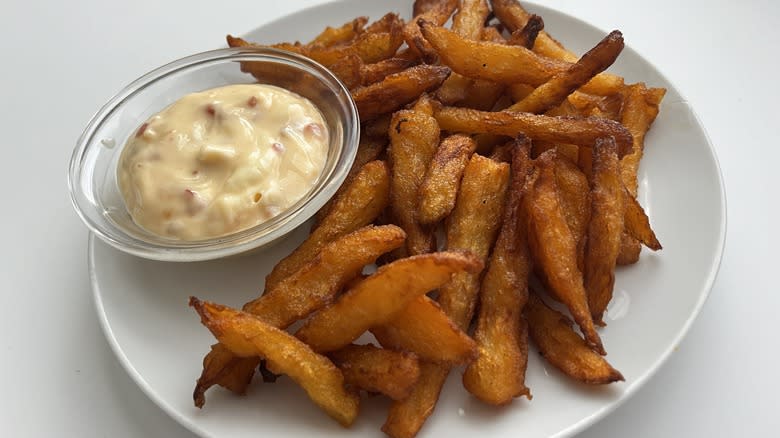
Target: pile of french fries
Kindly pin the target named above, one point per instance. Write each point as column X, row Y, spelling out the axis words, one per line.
column 493, row 135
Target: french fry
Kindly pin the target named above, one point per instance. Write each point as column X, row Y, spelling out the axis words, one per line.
column 377, row 128
column 386, row 23
column 424, row 329
column 637, row 223
column 574, row 193
column 372, row 369
column 375, row 47
column 562, row 347
column 498, row 374
column 414, row 137
column 407, row 416
column 375, row 300
column 554, row 250
column 640, row 108
column 396, row 90
column 436, row 11
column 568, row 130
column 472, row 227
column 362, row 201
column 376, row 72
column 308, row 289
column 345, row 33
column 526, row 36
column 369, row 149
column 439, row 188
column 348, row 69
column 514, row 17
column 248, row 336
column 629, row 250
column 555, row 91
column 605, row 228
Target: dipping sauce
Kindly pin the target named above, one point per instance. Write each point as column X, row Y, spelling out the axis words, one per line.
column 222, row 160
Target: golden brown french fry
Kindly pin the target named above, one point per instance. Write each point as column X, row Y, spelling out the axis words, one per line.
column 397, row 90
column 376, row 72
column 605, row 228
column 378, row 127
column 369, row 149
column 554, row 250
column 574, row 192
column 514, row 17
column 640, row 107
column 468, row 23
column 588, row 104
column 526, row 36
column 248, row 336
column 414, row 137
column 555, row 91
column 472, row 227
column 568, row 130
column 372, row 369
column 375, row 47
column 407, row 416
column 637, row 223
column 498, row 374
column 629, row 250
column 423, row 328
column 386, row 23
column 360, row 203
column 375, row 300
column 308, row 289
column 439, row 188
column 436, row 11
column 562, row 347
column 348, row 70
column 345, row 33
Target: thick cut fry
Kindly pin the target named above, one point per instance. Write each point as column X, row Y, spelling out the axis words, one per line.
column 378, row 71
column 640, row 107
column 498, row 374
column 561, row 346
column 348, row 70
column 345, row 33
column 629, row 250
column 372, row 369
column 589, row 104
column 574, row 192
column 361, row 202
column 514, row 17
column 414, row 138
column 423, row 328
column 439, row 189
column 375, row 47
column 375, row 300
column 526, row 36
column 438, row 12
column 637, row 223
column 397, row 90
column 605, row 228
column 308, row 289
column 248, row 336
column 407, row 416
column 369, row 149
column 554, row 250
column 555, row 91
column 568, row 130
column 468, row 23
column 472, row 227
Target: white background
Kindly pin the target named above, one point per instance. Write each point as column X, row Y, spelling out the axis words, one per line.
column 59, row 61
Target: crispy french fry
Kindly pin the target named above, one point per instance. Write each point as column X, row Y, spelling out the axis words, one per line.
column 637, row 223
column 369, row 149
column 308, row 289
column 568, row 130
column 561, row 346
column 348, row 69
column 248, row 336
column 397, row 90
column 423, row 328
column 554, row 249
column 629, row 250
column 361, row 202
column 607, row 106
column 436, row 11
column 375, row 300
column 574, row 193
column 378, row 127
column 372, row 369
column 407, row 416
column 472, row 226
column 498, row 374
column 439, row 188
column 386, row 23
column 526, row 36
column 375, row 47
column 605, row 228
column 414, row 137
column 376, row 72
column 514, row 17
column 555, row 91
column 640, row 107
column 345, row 33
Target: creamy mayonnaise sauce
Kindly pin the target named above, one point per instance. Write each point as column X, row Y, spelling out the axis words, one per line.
column 222, row 160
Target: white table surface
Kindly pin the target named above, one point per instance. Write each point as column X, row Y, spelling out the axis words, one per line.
column 61, row 60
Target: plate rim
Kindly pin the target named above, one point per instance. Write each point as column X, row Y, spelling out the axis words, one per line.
column 568, row 431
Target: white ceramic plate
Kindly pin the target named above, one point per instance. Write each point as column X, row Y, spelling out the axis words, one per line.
column 143, row 304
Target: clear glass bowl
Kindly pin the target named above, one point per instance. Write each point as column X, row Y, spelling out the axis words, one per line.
column 92, row 176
